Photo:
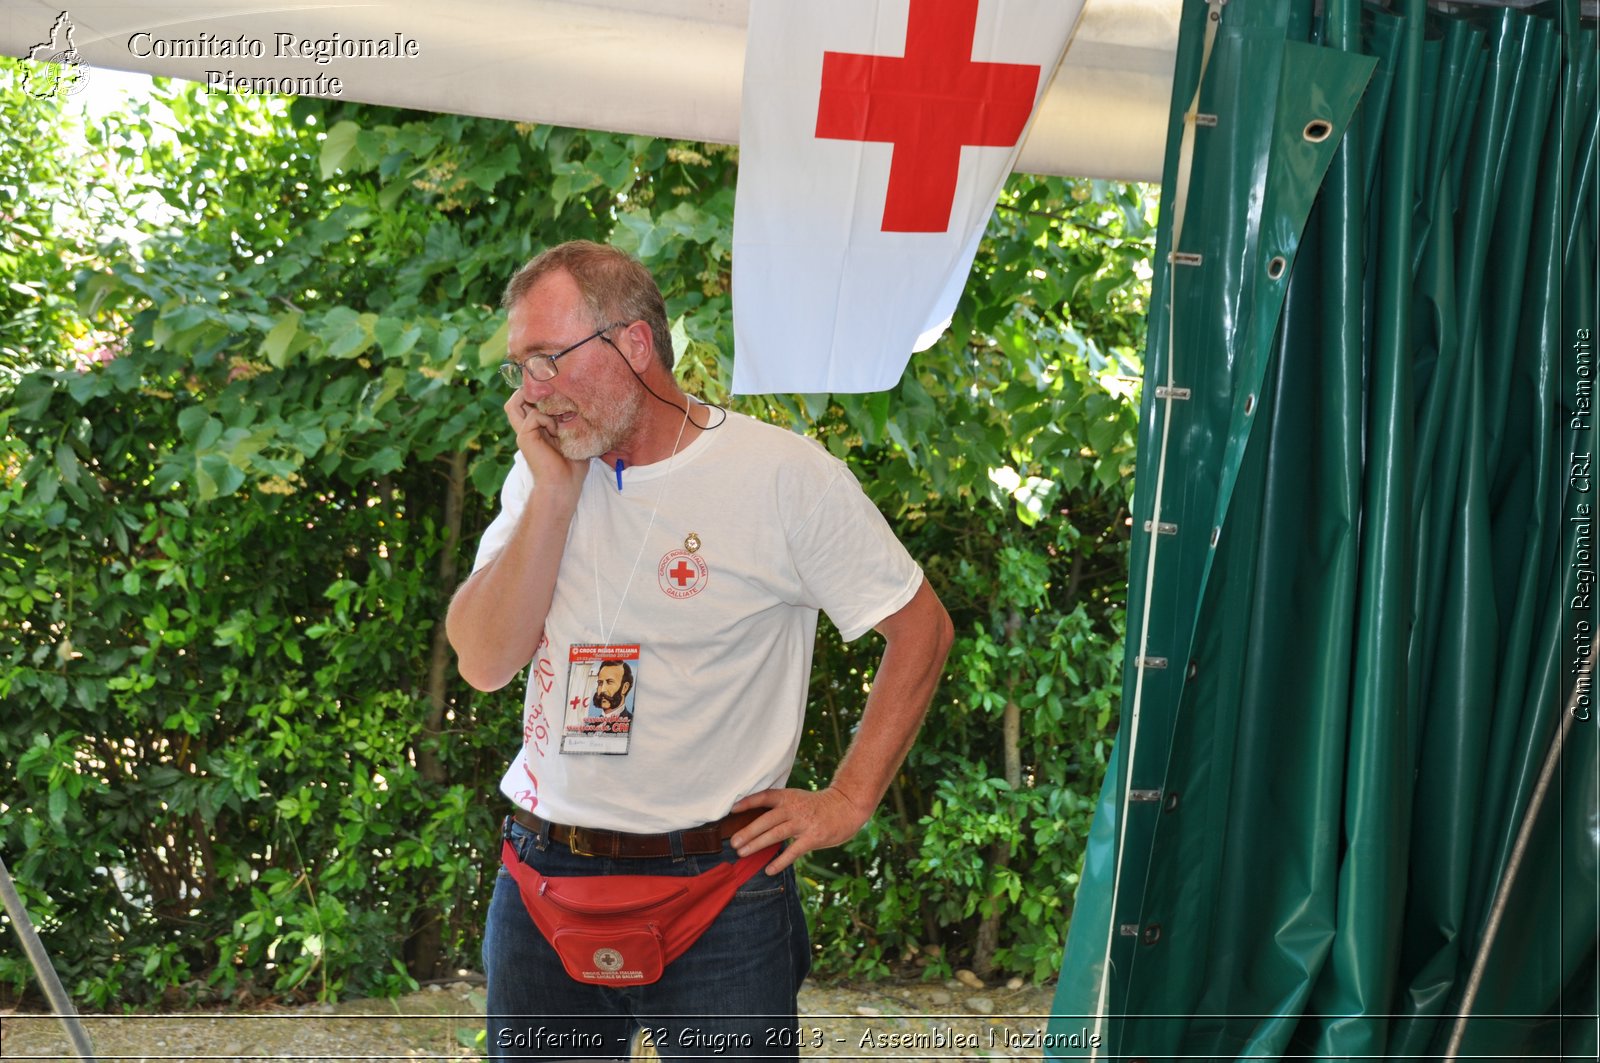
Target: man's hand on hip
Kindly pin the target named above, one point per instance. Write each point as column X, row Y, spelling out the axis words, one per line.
column 807, row 819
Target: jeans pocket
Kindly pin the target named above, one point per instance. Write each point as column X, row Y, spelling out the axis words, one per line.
column 761, row 887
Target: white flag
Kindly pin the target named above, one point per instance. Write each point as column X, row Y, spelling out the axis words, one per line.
column 875, row 137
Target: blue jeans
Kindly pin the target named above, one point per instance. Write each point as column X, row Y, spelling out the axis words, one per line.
column 731, row 995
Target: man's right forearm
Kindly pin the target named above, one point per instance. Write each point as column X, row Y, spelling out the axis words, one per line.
column 497, row 617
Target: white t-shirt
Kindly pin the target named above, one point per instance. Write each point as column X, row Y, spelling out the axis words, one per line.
column 705, row 574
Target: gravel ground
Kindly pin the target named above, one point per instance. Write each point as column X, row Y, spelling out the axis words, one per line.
column 838, row 1021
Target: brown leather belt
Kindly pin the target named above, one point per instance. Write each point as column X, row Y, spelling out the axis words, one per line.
column 704, row 840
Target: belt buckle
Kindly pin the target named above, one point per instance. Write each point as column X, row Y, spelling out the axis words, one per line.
column 576, row 845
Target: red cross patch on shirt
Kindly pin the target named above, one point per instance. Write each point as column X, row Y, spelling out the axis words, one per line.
column 682, row 574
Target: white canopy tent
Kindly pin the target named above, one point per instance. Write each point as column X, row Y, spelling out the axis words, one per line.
column 669, row 68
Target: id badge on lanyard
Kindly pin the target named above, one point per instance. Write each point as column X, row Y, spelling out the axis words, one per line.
column 602, row 683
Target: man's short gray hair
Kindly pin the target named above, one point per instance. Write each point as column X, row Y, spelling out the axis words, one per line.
column 616, row 287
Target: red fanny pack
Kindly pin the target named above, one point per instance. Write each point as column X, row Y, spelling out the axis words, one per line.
column 624, row 929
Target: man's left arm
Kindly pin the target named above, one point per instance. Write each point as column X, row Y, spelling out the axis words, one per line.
column 916, row 639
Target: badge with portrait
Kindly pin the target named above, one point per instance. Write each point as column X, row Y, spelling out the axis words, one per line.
column 601, row 686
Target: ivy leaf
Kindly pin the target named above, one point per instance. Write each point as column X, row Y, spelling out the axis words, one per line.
column 276, row 346
column 191, row 419
column 337, row 148
column 92, row 292
column 492, row 351
column 347, row 333
column 395, row 336
column 67, row 463
column 488, row 173
column 637, row 234
column 215, row 476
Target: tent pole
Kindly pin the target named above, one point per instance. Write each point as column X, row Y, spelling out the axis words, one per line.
column 1519, row 850
column 60, row 1003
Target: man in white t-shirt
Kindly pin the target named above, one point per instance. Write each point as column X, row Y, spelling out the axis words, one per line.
column 640, row 525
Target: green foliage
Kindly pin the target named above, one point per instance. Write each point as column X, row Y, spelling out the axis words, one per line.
column 247, row 455
column 1005, row 456
column 1030, row 634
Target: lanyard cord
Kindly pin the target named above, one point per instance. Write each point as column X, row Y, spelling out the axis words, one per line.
column 599, row 610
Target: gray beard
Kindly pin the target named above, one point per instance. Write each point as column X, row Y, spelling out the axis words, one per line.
column 605, row 434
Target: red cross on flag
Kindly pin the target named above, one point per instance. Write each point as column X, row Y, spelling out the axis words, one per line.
column 875, row 136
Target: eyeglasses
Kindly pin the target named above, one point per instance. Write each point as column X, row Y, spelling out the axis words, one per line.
column 543, row 366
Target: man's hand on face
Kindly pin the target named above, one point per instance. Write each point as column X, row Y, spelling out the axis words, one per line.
column 536, row 438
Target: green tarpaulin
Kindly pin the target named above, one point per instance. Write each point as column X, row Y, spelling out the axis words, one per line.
column 1355, row 807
